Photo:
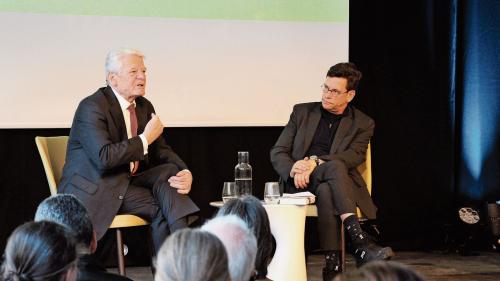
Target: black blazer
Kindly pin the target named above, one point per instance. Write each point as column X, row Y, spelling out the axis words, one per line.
column 97, row 169
column 349, row 145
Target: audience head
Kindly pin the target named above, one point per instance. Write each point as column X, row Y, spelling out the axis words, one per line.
column 347, row 70
column 381, row 271
column 192, row 255
column 240, row 244
column 67, row 210
column 40, row 251
column 250, row 209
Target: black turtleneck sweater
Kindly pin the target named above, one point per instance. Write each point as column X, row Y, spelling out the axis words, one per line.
column 325, row 132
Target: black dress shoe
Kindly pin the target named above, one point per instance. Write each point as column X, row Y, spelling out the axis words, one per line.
column 328, row 275
column 372, row 252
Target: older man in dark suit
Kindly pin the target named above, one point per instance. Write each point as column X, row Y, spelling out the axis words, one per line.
column 117, row 160
column 319, row 150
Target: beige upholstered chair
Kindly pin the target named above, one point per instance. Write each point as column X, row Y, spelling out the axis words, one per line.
column 365, row 170
column 53, row 153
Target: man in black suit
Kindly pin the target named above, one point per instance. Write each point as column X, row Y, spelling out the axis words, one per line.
column 117, row 160
column 67, row 210
column 319, row 150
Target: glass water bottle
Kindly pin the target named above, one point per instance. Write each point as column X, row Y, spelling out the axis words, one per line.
column 243, row 174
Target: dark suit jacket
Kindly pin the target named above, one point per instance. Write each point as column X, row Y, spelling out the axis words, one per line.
column 90, row 270
column 99, row 153
column 349, row 145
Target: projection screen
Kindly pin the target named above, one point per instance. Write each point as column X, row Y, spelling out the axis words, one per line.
column 210, row 63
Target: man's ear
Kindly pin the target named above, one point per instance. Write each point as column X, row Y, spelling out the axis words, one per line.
column 93, row 243
column 110, row 78
column 351, row 95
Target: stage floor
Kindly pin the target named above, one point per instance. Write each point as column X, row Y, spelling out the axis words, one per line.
column 434, row 266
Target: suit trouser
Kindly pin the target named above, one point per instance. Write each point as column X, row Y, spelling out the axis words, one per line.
column 151, row 197
column 333, row 187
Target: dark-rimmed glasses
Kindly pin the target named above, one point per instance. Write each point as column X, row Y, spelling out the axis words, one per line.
column 325, row 90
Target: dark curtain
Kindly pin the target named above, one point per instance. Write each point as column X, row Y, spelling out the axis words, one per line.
column 402, row 48
column 431, row 83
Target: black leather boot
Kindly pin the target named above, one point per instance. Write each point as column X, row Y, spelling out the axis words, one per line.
column 365, row 250
column 370, row 251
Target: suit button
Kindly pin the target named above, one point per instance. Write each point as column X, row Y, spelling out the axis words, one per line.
column 120, row 197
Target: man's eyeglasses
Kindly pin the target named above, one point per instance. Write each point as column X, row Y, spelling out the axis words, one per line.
column 325, row 90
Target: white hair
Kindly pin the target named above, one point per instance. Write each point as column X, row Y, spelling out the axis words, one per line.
column 113, row 63
column 240, row 244
column 192, row 255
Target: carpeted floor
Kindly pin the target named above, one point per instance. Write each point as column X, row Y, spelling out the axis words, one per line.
column 434, row 266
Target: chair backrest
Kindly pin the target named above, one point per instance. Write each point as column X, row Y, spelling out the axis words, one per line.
column 365, row 169
column 53, row 153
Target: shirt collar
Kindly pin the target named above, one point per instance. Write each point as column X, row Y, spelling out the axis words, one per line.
column 124, row 104
column 328, row 114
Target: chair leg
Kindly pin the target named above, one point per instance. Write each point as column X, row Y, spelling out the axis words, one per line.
column 342, row 245
column 151, row 251
column 121, row 257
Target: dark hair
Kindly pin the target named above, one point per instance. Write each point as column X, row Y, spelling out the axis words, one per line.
column 191, row 255
column 347, row 70
column 67, row 210
column 39, row 251
column 250, row 209
column 381, row 271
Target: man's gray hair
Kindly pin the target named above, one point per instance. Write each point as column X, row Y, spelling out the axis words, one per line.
column 67, row 210
column 113, row 63
column 240, row 244
column 192, row 255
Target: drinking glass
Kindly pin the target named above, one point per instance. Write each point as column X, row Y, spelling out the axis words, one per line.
column 229, row 191
column 271, row 192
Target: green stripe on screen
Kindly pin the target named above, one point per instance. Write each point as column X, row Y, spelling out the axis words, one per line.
column 262, row 10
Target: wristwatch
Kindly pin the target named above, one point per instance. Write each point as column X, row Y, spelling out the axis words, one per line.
column 315, row 158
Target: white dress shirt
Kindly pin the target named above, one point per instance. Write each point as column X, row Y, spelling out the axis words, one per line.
column 124, row 104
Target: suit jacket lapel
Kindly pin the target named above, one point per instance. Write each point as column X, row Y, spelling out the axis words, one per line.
column 140, row 112
column 342, row 130
column 116, row 113
column 311, row 126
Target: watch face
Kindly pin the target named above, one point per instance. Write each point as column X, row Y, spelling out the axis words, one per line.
column 314, row 158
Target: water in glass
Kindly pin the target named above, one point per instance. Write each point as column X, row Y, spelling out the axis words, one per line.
column 271, row 192
column 229, row 191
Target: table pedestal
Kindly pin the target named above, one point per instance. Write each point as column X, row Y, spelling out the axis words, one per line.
column 287, row 226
